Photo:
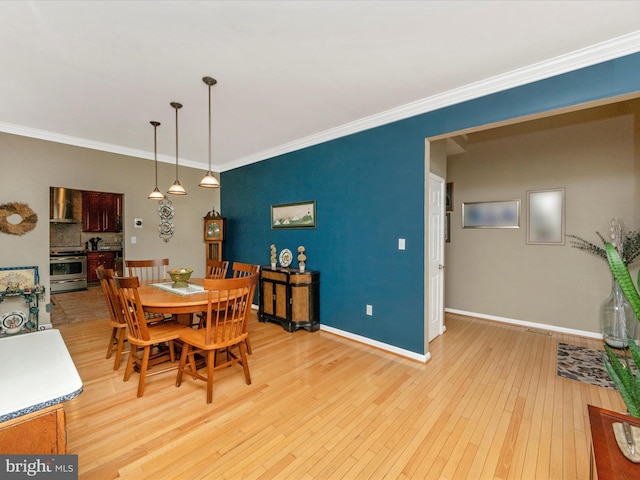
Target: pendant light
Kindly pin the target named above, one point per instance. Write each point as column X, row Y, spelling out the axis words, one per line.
column 209, row 181
column 156, row 194
column 176, row 188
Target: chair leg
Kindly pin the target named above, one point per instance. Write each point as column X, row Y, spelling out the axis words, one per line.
column 172, row 351
column 245, row 364
column 248, row 343
column 122, row 334
column 211, row 360
column 183, row 362
column 143, row 369
column 130, row 362
column 112, row 339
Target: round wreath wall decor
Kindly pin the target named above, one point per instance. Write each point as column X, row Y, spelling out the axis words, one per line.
column 28, row 218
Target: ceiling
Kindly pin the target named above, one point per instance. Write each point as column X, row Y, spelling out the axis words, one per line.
column 289, row 74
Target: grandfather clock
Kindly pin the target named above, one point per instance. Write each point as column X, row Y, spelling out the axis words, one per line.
column 213, row 235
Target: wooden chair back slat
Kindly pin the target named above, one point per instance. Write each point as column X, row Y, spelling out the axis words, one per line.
column 217, row 268
column 148, row 271
column 228, row 308
column 244, row 269
column 127, row 288
column 105, row 275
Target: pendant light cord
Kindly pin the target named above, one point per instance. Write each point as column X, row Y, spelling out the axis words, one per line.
column 176, row 107
column 209, row 128
column 155, row 147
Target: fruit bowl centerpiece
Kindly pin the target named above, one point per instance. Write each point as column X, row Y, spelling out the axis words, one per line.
column 180, row 277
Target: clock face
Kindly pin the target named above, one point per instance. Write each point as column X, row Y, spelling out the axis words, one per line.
column 213, row 230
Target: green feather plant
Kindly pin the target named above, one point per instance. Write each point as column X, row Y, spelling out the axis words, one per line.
column 626, row 377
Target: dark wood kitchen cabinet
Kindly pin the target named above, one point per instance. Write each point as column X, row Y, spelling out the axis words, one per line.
column 101, row 212
column 95, row 259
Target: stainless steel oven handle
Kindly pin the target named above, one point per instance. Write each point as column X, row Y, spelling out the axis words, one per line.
column 59, row 282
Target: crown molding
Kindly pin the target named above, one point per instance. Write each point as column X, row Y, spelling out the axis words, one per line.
column 598, row 53
column 84, row 143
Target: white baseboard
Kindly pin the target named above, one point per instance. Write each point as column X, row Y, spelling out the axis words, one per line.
column 522, row 323
column 374, row 343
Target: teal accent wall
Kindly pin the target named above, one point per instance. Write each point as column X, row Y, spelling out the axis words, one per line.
column 370, row 191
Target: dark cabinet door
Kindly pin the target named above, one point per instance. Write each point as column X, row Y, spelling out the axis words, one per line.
column 112, row 212
column 102, row 212
column 91, row 212
column 94, row 260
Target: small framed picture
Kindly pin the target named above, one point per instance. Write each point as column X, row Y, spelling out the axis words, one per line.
column 294, row 215
column 449, row 197
column 545, row 217
column 500, row 214
column 15, row 280
column 447, row 227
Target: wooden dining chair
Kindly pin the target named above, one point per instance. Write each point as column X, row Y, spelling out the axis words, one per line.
column 117, row 321
column 148, row 271
column 147, row 340
column 228, row 307
column 244, row 269
column 217, row 268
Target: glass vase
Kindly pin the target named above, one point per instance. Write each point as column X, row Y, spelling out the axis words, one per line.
column 617, row 318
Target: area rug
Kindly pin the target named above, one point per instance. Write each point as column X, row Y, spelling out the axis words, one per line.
column 583, row 365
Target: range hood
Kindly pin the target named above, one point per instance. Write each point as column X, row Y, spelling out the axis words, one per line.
column 61, row 206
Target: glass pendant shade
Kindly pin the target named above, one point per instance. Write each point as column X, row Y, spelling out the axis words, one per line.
column 176, row 188
column 209, row 181
column 156, row 194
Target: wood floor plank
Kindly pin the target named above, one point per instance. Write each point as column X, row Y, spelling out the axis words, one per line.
column 487, row 405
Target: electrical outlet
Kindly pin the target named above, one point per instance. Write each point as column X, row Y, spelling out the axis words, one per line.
column 133, row 240
column 401, row 244
column 369, row 309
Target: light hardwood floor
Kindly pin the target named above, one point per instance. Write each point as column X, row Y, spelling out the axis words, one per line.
column 488, row 405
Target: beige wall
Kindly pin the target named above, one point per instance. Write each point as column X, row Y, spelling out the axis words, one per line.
column 593, row 155
column 29, row 167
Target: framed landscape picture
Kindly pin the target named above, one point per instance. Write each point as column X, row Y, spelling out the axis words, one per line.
column 294, row 215
column 500, row 214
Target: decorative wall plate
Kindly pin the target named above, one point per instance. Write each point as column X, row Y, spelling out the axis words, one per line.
column 286, row 257
column 12, row 322
column 165, row 228
column 166, row 212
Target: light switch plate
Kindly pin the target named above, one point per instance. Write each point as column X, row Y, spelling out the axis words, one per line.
column 401, row 244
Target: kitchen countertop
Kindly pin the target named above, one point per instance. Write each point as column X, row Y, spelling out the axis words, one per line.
column 37, row 372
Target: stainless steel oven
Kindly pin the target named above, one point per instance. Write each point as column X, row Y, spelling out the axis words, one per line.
column 68, row 271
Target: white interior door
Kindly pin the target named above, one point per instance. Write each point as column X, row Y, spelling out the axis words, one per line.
column 436, row 256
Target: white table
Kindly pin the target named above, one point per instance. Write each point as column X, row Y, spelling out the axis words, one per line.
column 37, row 372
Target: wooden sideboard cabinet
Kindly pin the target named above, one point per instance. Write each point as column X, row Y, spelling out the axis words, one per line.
column 290, row 297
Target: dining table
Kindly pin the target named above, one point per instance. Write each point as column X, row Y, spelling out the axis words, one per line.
column 161, row 298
